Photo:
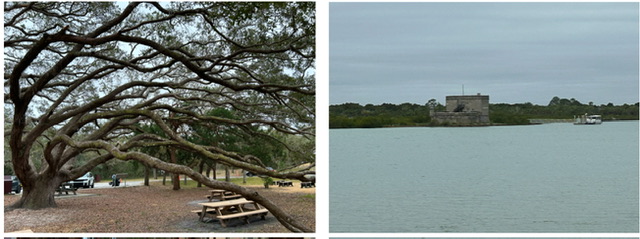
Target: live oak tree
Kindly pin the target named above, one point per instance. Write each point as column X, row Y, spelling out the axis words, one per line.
column 83, row 80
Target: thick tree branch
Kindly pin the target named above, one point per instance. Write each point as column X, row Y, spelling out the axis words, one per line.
column 283, row 217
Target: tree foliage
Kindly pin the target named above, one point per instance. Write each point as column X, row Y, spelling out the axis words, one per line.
column 84, row 79
column 562, row 108
column 352, row 115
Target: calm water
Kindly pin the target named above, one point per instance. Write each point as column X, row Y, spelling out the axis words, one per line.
column 543, row 178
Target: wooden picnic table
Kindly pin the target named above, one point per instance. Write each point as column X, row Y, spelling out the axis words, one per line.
column 222, row 195
column 283, row 183
column 228, row 209
column 307, row 184
column 66, row 187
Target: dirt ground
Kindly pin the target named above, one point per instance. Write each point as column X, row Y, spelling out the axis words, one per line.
column 151, row 209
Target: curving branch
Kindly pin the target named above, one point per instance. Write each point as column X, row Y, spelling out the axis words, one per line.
column 285, row 219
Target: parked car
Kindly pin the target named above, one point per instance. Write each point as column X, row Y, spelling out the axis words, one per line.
column 86, row 181
column 12, row 184
column 16, row 186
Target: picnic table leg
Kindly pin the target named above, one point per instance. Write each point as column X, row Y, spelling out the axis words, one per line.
column 219, row 213
column 240, row 210
column 257, row 206
column 245, row 219
column 204, row 210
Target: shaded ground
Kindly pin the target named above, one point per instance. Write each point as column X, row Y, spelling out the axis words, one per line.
column 151, row 209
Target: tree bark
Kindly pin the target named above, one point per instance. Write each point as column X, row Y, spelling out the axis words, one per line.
column 215, row 171
column 244, row 176
column 227, row 174
column 40, row 194
column 175, row 178
column 146, row 175
column 200, row 170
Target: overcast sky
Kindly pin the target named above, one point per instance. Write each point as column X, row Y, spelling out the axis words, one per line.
column 513, row 52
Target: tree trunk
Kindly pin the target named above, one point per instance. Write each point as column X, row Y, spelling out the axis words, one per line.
column 227, row 174
column 215, row 171
column 175, row 178
column 146, row 175
column 201, row 169
column 244, row 176
column 40, row 195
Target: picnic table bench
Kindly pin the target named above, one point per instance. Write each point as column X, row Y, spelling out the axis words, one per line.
column 222, row 195
column 66, row 188
column 228, row 209
column 284, row 183
column 307, row 184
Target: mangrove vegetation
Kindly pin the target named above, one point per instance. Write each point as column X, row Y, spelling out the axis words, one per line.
column 354, row 115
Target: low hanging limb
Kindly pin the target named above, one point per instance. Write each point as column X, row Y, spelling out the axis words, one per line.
column 285, row 219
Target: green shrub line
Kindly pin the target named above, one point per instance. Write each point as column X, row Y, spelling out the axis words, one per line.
column 353, row 115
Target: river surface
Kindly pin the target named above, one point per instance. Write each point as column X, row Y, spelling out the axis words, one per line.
column 541, row 178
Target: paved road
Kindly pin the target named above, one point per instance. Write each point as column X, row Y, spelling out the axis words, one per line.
column 105, row 183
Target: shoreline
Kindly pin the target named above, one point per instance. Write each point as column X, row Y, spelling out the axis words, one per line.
column 552, row 121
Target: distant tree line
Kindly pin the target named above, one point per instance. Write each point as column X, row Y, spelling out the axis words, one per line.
column 353, row 115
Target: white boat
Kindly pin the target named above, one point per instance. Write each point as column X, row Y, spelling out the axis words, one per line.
column 587, row 119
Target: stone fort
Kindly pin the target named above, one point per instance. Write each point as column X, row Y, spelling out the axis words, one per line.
column 464, row 110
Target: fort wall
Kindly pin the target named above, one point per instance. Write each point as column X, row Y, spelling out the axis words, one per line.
column 464, row 110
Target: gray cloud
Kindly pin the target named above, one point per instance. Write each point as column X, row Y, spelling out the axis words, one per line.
column 515, row 52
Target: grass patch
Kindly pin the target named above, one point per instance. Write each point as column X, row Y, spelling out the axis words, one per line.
column 193, row 184
column 310, row 196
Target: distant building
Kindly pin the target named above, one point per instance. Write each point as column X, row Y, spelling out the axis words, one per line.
column 464, row 110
